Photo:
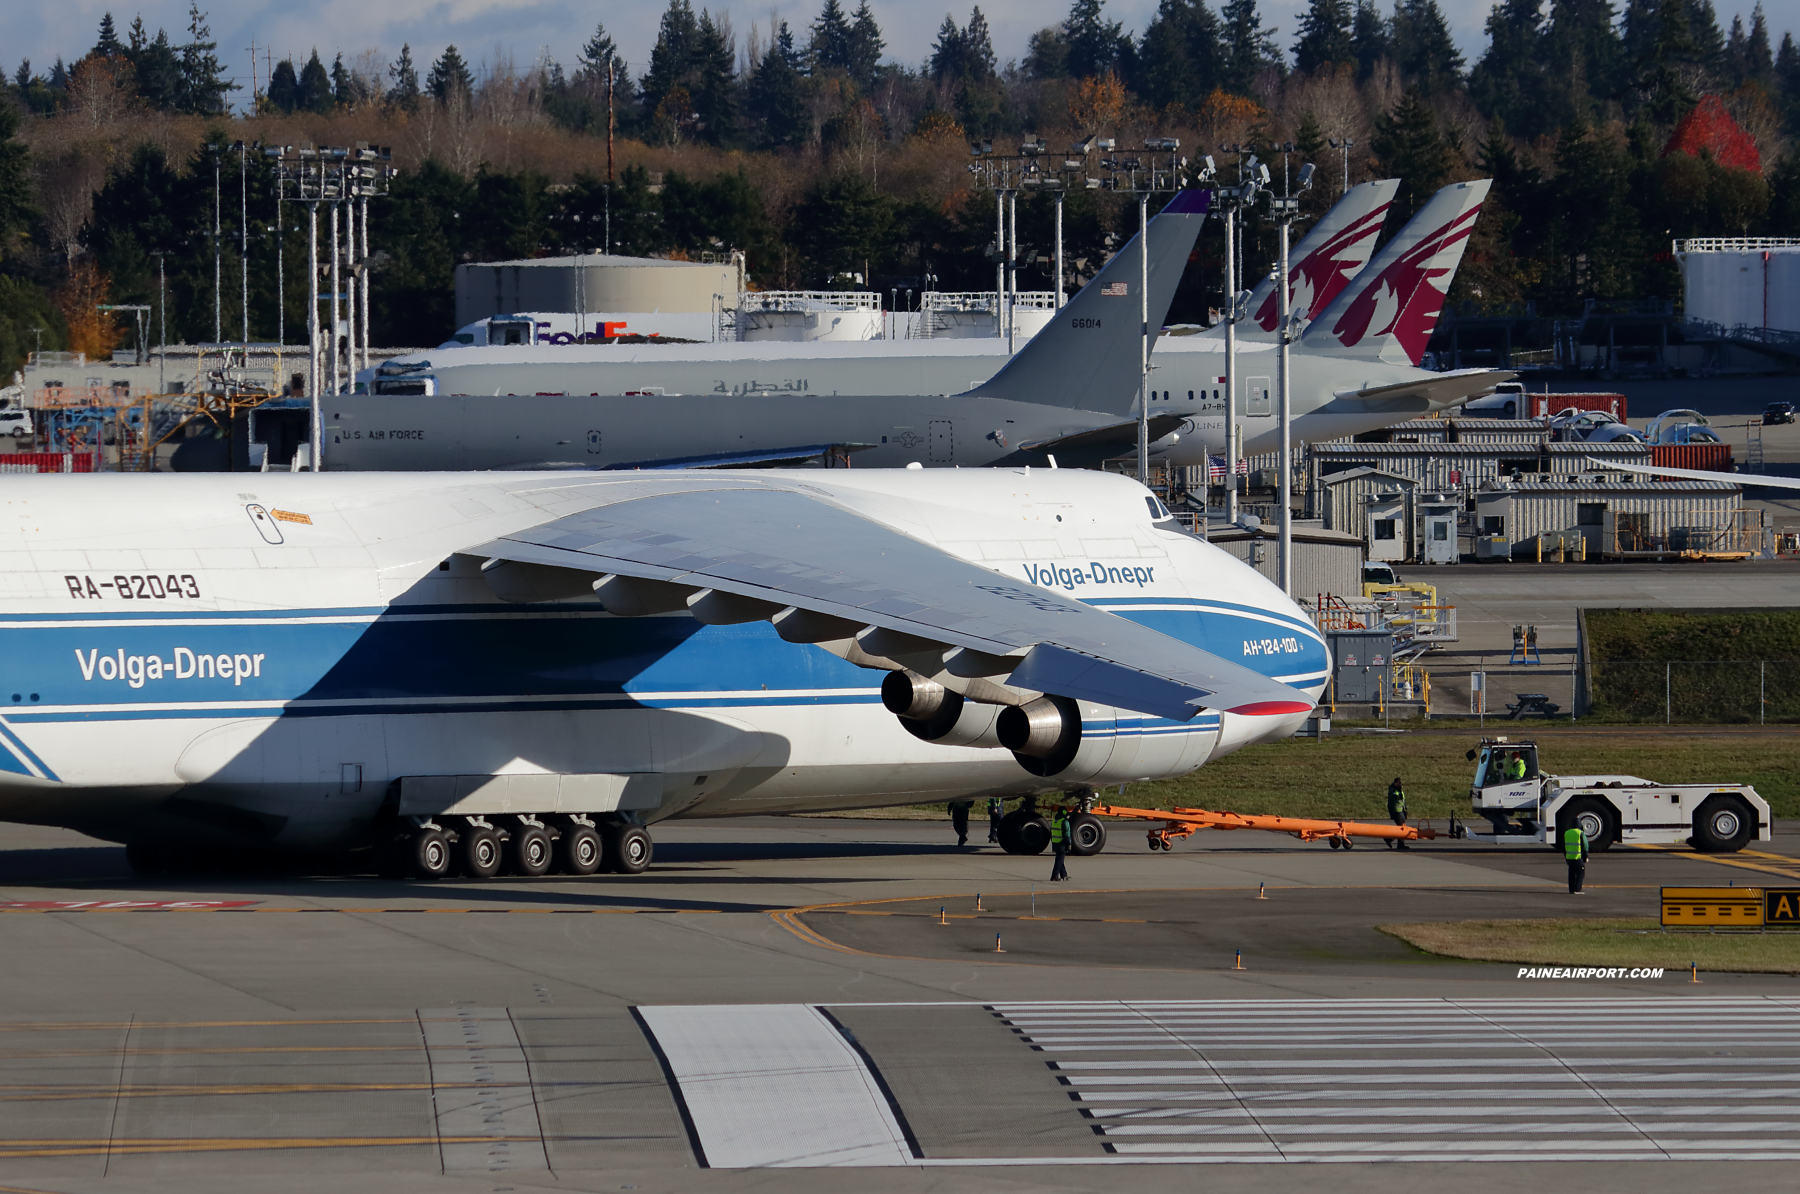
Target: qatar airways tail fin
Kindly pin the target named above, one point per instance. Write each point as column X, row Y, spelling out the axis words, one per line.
column 1389, row 311
column 1324, row 261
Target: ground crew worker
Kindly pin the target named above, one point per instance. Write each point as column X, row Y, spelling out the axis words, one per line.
column 1397, row 812
column 1575, row 852
column 996, row 810
column 1515, row 767
column 1059, row 843
column 959, row 819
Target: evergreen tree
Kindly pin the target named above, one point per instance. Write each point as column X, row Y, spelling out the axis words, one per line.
column 284, row 87
column 830, row 49
column 1369, row 38
column 314, row 94
column 1665, row 68
column 1249, row 48
column 404, row 94
column 1760, row 61
column 1047, row 54
column 1506, row 82
column 203, row 82
column 155, row 66
column 343, row 84
column 1324, row 36
column 108, row 45
column 1180, row 58
column 1709, row 43
column 962, row 54
column 774, row 94
column 449, row 81
column 596, row 55
column 1095, row 45
column 1407, row 145
column 1584, row 61
column 864, row 54
column 15, row 176
column 672, row 55
column 1423, row 49
column 712, row 82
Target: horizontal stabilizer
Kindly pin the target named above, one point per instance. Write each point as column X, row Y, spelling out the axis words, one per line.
column 1439, row 391
column 1099, row 443
column 783, row 547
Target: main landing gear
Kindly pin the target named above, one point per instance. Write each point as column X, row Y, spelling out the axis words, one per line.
column 525, row 846
column 1025, row 830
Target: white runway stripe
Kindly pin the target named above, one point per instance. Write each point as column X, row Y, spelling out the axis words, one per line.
column 775, row 1085
column 1315, row 1080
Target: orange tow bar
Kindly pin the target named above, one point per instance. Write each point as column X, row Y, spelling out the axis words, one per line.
column 1183, row 822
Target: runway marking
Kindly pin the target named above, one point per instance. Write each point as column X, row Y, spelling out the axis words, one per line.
column 1739, row 863
column 477, row 1050
column 776, row 1086
column 217, row 1144
column 60, row 909
column 1333, row 1081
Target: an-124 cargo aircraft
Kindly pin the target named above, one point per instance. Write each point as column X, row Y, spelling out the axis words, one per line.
column 527, row 670
column 1065, row 394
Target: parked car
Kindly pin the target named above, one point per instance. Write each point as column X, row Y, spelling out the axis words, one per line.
column 1778, row 412
column 16, row 423
column 1506, row 402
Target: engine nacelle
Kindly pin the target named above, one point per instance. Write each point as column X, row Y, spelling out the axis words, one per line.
column 932, row 713
column 912, row 697
column 1081, row 742
column 1044, row 735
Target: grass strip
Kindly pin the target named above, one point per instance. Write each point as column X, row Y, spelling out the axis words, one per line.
column 1636, row 941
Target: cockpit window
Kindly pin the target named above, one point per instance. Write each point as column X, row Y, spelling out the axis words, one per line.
column 1158, row 511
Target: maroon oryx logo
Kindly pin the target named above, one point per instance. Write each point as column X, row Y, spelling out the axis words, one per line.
column 1402, row 301
column 1322, row 273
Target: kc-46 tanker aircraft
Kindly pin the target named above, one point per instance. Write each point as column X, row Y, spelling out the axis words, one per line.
column 526, row 670
column 1062, row 395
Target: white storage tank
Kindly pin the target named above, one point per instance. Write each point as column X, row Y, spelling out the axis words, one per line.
column 808, row 315
column 594, row 282
column 1741, row 281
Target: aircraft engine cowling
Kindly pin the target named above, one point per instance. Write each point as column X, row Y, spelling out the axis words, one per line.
column 910, row 696
column 932, row 713
column 1044, row 735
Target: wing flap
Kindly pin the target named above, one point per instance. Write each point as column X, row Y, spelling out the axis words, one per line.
column 792, row 549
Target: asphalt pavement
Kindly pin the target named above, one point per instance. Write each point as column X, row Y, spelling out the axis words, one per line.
column 806, row 995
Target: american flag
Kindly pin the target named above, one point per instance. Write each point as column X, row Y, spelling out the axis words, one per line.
column 1215, row 470
column 1115, row 290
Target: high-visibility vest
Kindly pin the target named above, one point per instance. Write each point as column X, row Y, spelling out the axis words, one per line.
column 1059, row 827
column 1515, row 769
column 1574, row 843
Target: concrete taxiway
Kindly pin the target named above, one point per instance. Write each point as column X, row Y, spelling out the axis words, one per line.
column 809, row 995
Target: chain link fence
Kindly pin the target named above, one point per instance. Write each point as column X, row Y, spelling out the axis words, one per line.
column 1692, row 691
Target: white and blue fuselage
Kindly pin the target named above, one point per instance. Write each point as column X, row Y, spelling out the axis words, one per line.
column 264, row 657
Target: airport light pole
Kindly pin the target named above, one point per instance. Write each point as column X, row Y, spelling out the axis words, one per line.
column 1284, row 209
column 1235, row 201
column 1344, row 146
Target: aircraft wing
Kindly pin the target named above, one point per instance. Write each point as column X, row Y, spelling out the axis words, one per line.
column 1754, row 480
column 1439, row 391
column 764, row 549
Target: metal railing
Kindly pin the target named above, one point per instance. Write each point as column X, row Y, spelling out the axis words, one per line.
column 1733, row 244
column 809, row 300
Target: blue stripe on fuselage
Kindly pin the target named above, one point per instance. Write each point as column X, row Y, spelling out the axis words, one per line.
column 467, row 658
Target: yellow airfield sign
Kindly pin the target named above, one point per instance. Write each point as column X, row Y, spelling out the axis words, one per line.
column 1712, row 907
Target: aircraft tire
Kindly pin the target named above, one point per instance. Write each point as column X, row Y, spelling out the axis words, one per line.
column 628, row 849
column 478, row 852
column 428, row 854
column 145, row 859
column 1595, row 819
column 528, row 851
column 1032, row 834
column 1009, row 832
column 1088, row 835
column 578, row 850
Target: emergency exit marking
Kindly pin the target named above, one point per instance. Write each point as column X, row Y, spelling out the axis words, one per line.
column 1712, row 907
column 1781, row 905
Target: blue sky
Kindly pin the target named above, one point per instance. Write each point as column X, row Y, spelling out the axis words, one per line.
column 525, row 27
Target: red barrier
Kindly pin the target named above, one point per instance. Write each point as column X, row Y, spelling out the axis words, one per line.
column 46, row 462
column 1543, row 405
column 1708, row 457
